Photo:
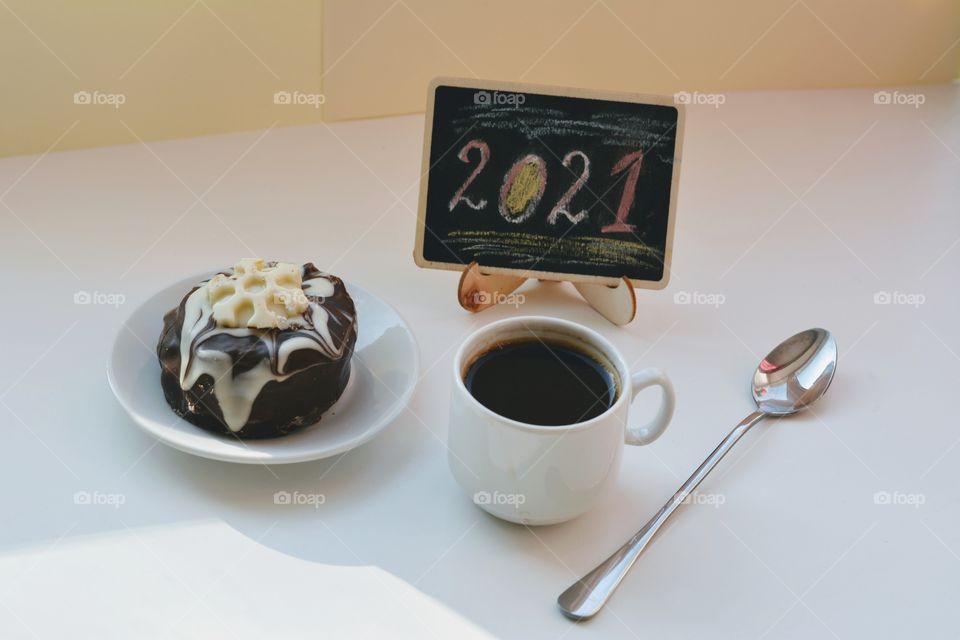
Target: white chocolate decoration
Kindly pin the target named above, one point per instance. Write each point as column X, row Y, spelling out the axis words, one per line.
column 309, row 324
column 257, row 295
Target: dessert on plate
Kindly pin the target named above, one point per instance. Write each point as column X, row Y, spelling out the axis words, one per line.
column 259, row 350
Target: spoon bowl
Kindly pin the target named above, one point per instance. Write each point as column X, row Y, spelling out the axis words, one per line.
column 796, row 373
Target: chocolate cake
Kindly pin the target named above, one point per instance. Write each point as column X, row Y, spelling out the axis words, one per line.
column 260, row 350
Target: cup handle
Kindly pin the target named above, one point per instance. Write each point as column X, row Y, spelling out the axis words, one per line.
column 649, row 432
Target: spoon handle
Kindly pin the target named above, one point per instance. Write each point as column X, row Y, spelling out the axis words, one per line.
column 587, row 596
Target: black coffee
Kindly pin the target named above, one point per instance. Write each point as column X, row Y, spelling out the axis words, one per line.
column 542, row 383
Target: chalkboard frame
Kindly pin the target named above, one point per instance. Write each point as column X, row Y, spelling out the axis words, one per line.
column 519, row 87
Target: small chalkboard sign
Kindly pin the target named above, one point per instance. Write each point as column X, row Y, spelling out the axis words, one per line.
column 556, row 184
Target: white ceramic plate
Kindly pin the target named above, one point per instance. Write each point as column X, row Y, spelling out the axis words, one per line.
column 384, row 372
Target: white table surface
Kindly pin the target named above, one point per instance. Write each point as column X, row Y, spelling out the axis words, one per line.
column 795, row 207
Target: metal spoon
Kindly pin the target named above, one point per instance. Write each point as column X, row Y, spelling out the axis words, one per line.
column 791, row 377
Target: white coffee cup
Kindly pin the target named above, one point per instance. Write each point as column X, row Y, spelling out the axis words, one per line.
column 534, row 474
